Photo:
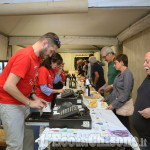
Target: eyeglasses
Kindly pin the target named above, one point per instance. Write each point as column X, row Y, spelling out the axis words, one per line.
column 115, row 62
column 58, row 42
column 147, row 61
column 105, row 56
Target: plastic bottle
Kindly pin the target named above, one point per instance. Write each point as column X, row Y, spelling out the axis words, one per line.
column 87, row 90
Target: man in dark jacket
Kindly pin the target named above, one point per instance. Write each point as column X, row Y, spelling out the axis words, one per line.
column 141, row 115
column 97, row 73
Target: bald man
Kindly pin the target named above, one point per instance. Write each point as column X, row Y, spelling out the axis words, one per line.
column 141, row 115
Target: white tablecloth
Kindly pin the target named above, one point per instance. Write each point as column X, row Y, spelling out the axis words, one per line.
column 106, row 130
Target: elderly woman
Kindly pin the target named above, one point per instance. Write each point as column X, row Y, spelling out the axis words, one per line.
column 97, row 73
column 122, row 87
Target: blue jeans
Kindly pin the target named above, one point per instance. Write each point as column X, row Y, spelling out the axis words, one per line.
column 147, row 147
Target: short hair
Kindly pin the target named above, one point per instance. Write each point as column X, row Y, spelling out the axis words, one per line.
column 55, row 58
column 52, row 39
column 92, row 59
column 106, row 50
column 123, row 58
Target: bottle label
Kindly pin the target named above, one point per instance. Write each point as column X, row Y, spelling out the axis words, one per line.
column 73, row 84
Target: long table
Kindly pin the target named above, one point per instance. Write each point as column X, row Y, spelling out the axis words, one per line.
column 107, row 131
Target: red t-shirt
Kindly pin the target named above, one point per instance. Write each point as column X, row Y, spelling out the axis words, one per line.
column 47, row 77
column 62, row 74
column 25, row 64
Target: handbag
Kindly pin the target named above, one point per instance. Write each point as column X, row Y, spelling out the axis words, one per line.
column 126, row 109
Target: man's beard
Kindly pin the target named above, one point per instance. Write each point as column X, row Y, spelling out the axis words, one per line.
column 43, row 53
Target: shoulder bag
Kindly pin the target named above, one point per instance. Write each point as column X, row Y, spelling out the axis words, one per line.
column 126, row 109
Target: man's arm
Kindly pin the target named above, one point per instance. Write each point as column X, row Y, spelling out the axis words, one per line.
column 101, row 89
column 109, row 88
column 10, row 87
column 96, row 78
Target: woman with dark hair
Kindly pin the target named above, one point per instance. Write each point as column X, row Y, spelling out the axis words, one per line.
column 44, row 84
column 122, row 88
column 46, row 78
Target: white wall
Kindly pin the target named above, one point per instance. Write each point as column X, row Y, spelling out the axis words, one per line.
column 3, row 47
column 15, row 48
column 97, row 55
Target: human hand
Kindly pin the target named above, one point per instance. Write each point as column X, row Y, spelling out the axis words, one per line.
column 110, row 107
column 145, row 113
column 108, row 88
column 44, row 102
column 39, row 104
column 59, row 70
column 61, row 90
column 82, row 78
column 100, row 90
column 102, row 100
column 40, row 99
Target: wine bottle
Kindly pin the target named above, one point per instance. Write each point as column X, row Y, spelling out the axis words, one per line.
column 70, row 82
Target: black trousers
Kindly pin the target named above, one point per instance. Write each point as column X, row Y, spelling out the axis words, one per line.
column 124, row 120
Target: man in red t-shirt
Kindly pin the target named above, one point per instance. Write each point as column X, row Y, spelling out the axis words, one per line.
column 16, row 83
